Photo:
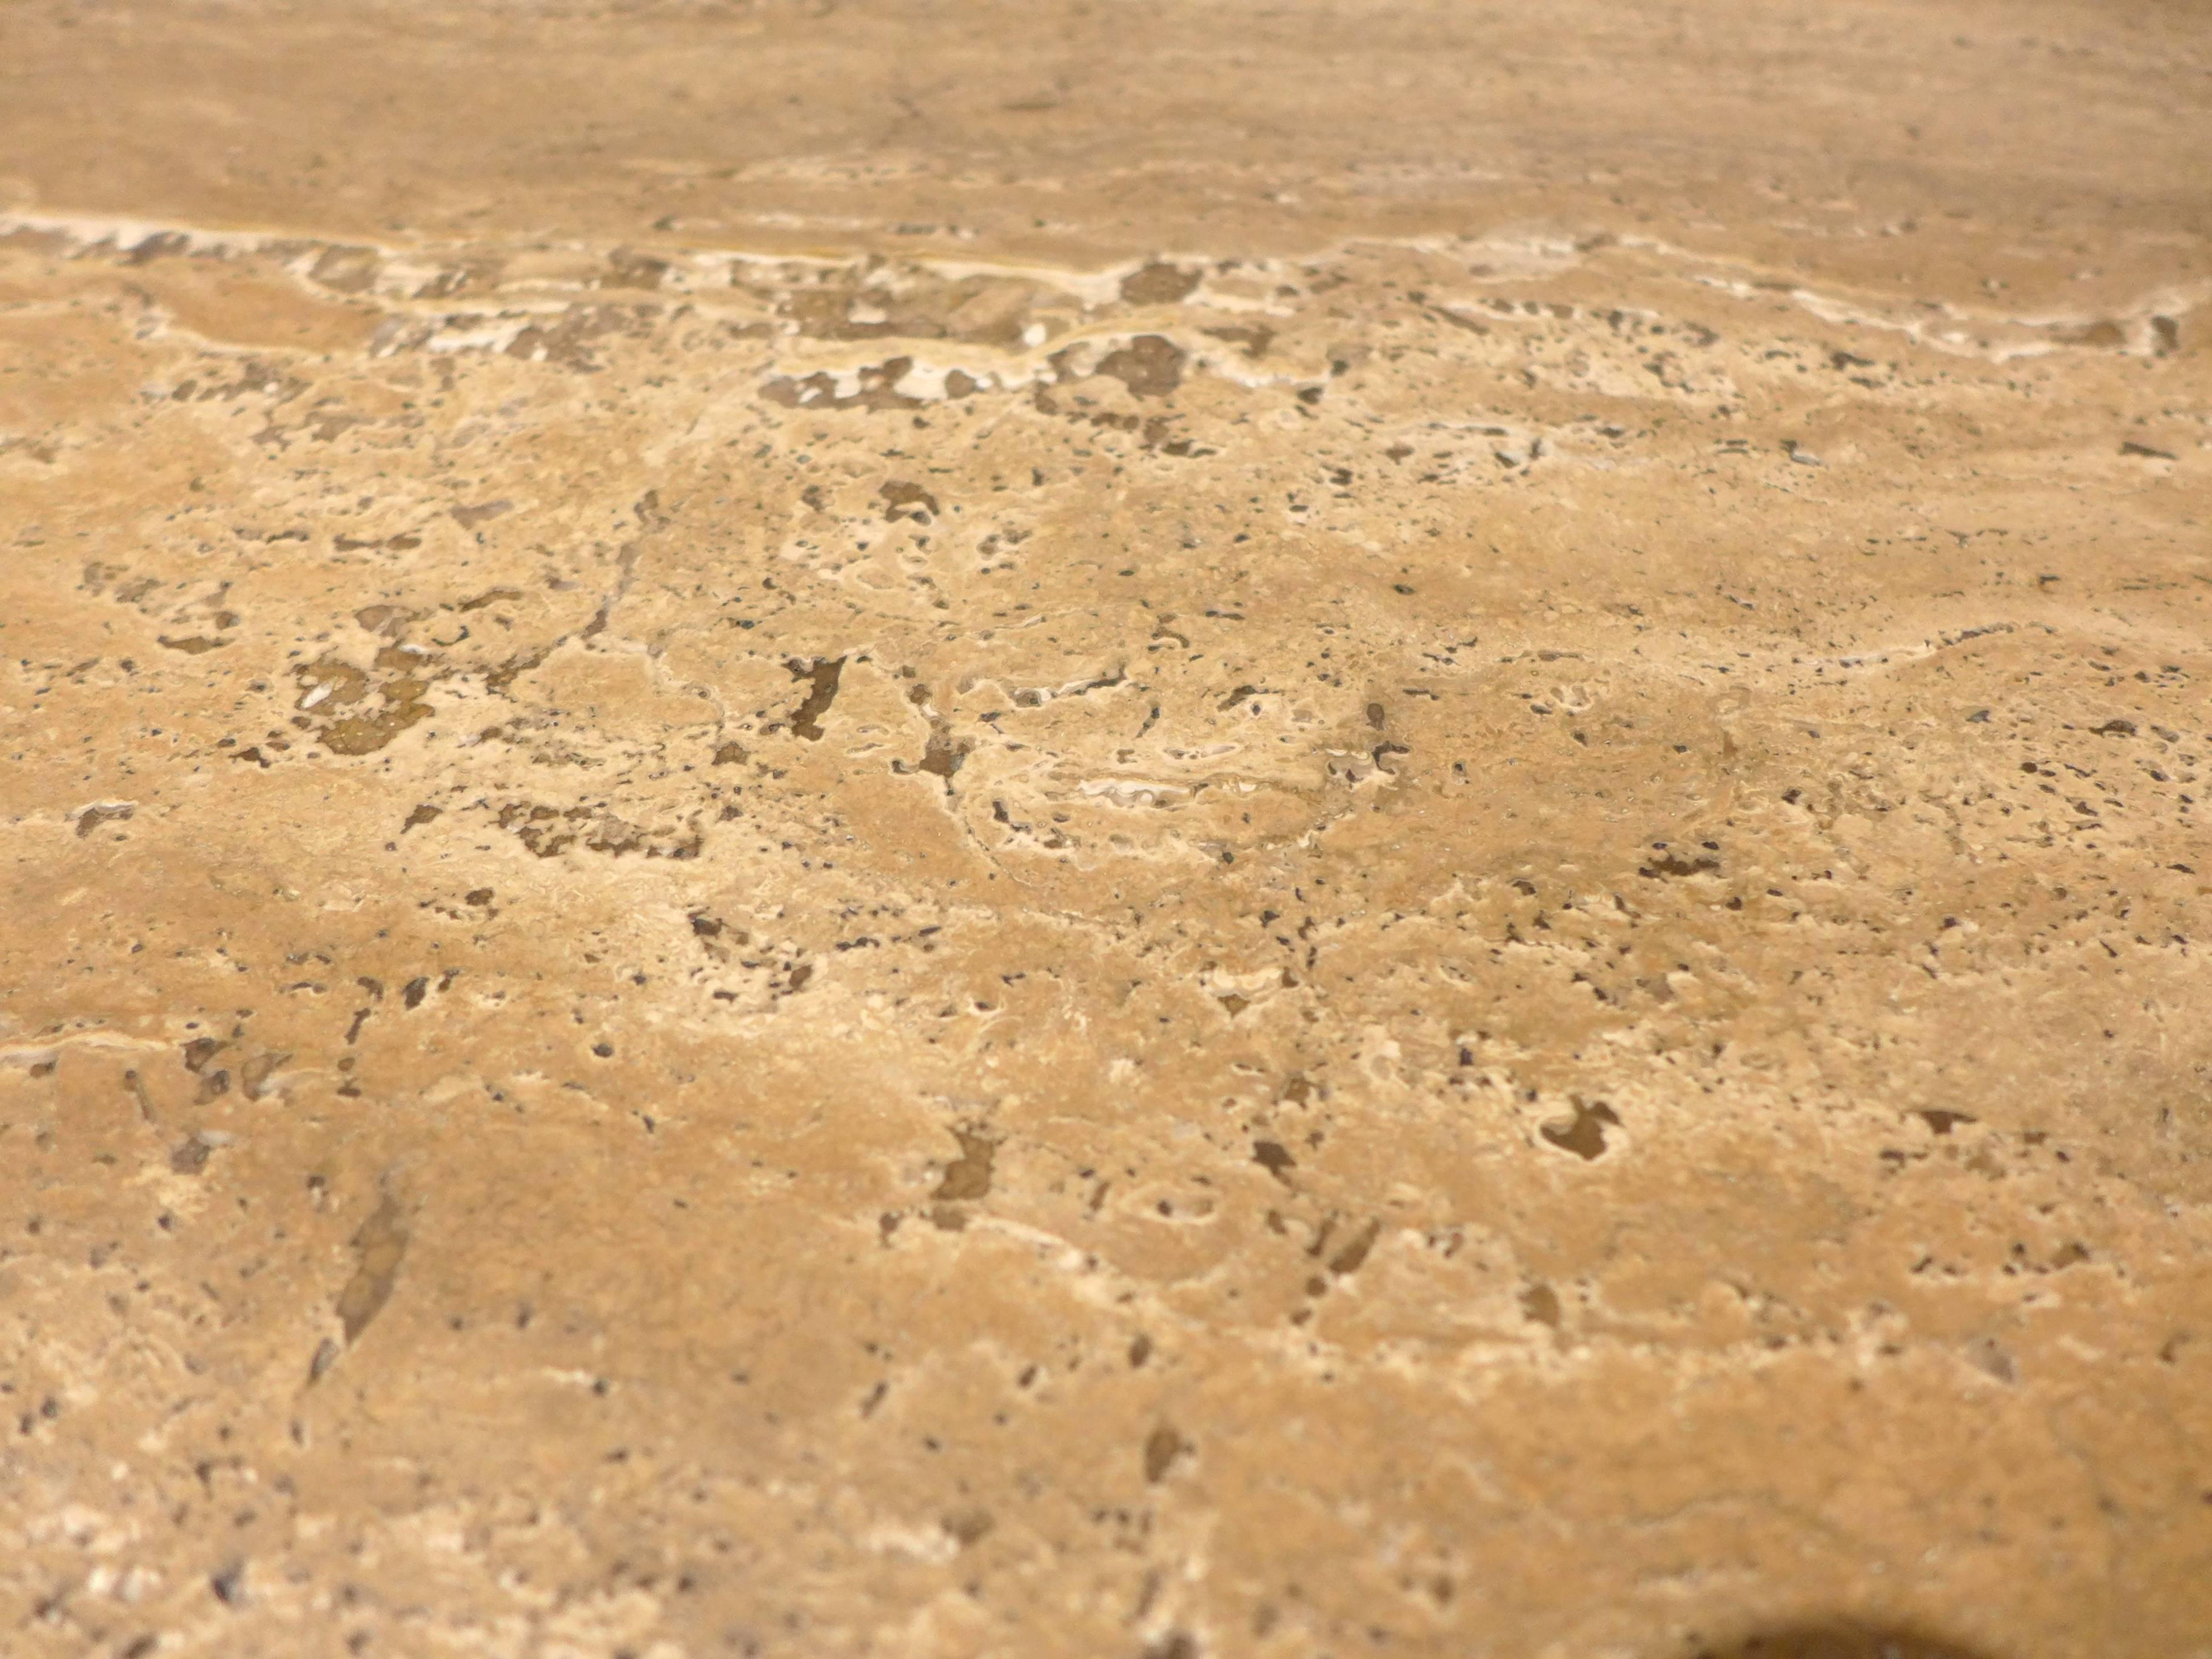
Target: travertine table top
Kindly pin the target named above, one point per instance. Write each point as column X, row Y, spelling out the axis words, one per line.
column 1087, row 830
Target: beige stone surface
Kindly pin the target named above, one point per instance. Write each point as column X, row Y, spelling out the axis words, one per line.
column 1105, row 829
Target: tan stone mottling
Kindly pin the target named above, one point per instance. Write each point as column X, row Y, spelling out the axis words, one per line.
column 1078, row 830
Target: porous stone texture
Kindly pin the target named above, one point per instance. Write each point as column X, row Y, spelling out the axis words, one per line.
column 1074, row 830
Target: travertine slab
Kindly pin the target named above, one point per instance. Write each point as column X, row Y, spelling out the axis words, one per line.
column 1105, row 830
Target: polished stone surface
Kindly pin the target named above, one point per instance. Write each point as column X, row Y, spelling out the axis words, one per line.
column 1136, row 830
